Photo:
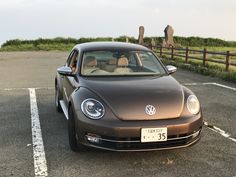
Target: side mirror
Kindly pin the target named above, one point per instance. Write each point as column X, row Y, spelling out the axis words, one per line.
column 171, row 69
column 65, row 71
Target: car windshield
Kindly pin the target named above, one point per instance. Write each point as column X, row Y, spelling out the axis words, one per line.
column 120, row 63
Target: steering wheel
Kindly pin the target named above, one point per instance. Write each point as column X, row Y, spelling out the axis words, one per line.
column 95, row 70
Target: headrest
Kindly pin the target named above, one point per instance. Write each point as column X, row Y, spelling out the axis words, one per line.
column 90, row 61
column 123, row 61
column 112, row 62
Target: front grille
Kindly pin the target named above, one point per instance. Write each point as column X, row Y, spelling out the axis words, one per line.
column 124, row 144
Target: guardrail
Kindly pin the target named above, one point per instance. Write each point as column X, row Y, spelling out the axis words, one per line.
column 186, row 54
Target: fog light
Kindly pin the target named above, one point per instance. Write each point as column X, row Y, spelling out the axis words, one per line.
column 92, row 138
column 195, row 134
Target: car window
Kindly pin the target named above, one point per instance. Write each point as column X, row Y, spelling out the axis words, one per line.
column 147, row 62
column 132, row 60
column 69, row 58
column 73, row 61
column 118, row 63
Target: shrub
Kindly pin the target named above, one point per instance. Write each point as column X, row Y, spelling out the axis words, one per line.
column 210, row 70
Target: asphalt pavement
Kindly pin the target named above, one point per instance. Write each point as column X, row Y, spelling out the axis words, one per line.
column 214, row 155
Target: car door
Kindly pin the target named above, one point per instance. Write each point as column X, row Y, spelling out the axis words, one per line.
column 69, row 82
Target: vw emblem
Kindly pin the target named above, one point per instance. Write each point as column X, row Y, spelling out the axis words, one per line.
column 150, row 110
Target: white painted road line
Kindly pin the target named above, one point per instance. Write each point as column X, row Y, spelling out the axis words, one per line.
column 220, row 131
column 225, row 86
column 40, row 163
column 212, row 83
column 9, row 89
column 37, row 88
column 207, row 83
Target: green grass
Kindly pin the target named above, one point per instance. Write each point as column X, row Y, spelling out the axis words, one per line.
column 44, row 47
column 208, row 56
column 60, row 44
column 216, row 49
column 214, row 70
column 211, row 68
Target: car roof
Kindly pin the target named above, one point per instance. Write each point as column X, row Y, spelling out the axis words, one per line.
column 89, row 46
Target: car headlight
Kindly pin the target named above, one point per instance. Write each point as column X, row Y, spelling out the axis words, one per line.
column 92, row 108
column 193, row 104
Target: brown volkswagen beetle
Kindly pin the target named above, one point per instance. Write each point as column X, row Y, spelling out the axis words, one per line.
column 119, row 96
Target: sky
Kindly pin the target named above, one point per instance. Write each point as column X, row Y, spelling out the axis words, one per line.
column 32, row 19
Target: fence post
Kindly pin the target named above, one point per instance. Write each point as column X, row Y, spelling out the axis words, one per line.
column 153, row 44
column 172, row 52
column 204, row 56
column 161, row 51
column 186, row 55
column 227, row 61
column 126, row 39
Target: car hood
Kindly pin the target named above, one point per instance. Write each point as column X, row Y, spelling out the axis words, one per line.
column 128, row 97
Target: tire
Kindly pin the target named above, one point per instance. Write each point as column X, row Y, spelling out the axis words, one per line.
column 74, row 144
column 57, row 99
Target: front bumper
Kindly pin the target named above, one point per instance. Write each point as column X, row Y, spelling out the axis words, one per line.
column 117, row 135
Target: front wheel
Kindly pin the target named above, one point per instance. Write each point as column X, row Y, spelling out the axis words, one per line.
column 74, row 144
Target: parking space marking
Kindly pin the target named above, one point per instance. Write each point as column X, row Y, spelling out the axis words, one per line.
column 212, row 83
column 225, row 86
column 220, row 131
column 190, row 84
column 10, row 89
column 37, row 88
column 207, row 83
column 40, row 163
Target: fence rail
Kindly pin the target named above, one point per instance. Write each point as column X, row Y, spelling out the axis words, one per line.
column 186, row 54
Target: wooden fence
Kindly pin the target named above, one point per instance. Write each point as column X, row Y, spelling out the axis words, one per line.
column 185, row 53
